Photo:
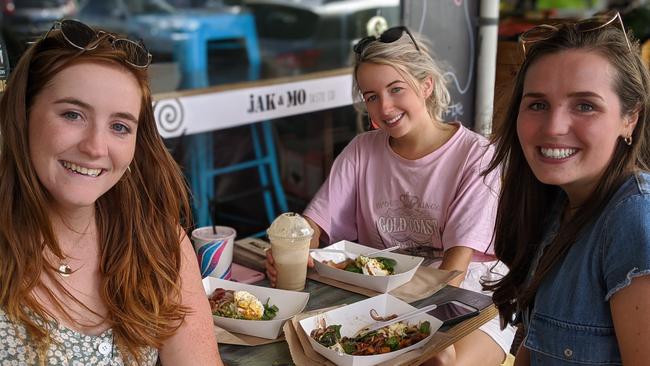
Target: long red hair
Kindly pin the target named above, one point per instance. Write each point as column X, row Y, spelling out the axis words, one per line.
column 139, row 220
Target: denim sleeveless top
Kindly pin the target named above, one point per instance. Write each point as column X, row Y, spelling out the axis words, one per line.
column 70, row 348
column 570, row 322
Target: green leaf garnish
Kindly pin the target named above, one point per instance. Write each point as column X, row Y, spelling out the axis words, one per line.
column 349, row 347
column 331, row 336
column 393, row 343
column 425, row 327
column 270, row 311
column 388, row 264
column 353, row 268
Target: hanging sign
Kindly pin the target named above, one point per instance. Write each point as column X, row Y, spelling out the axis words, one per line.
column 186, row 115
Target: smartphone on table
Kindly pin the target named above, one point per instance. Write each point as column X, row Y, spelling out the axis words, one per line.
column 453, row 312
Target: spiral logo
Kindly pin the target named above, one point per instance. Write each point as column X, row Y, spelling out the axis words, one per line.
column 169, row 114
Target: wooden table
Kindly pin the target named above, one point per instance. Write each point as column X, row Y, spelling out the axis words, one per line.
column 322, row 295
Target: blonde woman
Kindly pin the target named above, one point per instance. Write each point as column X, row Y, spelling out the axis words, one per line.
column 415, row 181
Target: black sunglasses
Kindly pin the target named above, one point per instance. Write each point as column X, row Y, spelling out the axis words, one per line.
column 389, row 36
column 81, row 36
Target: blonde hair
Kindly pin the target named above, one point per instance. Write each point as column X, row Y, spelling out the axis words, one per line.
column 415, row 66
column 140, row 250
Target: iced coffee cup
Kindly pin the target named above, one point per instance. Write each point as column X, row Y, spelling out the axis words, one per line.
column 290, row 235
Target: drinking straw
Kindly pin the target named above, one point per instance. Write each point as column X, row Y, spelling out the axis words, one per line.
column 213, row 215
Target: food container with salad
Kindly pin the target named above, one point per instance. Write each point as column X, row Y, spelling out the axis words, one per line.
column 253, row 310
column 345, row 261
column 338, row 334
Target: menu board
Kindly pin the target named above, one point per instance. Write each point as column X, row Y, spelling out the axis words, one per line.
column 452, row 28
column 4, row 65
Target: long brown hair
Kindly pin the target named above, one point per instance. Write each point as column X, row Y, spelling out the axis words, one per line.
column 525, row 203
column 139, row 220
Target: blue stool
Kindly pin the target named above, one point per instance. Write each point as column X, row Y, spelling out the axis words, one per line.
column 191, row 48
column 191, row 51
column 204, row 172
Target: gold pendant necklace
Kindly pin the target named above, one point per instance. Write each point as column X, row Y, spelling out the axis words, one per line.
column 64, row 269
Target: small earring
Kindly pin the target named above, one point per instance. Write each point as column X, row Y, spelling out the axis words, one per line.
column 628, row 140
column 128, row 169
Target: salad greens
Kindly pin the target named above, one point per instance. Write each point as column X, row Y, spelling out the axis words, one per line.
column 387, row 339
column 270, row 311
column 356, row 266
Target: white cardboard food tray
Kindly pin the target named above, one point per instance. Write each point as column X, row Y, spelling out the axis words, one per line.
column 404, row 270
column 355, row 316
column 289, row 303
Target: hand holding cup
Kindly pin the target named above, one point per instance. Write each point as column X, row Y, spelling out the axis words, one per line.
column 290, row 235
column 272, row 273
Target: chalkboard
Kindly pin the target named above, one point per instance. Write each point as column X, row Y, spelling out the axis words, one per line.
column 4, row 64
column 451, row 26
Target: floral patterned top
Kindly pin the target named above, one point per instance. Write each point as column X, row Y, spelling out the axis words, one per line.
column 69, row 347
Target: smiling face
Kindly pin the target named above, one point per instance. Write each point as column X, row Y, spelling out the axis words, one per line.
column 570, row 120
column 392, row 104
column 82, row 132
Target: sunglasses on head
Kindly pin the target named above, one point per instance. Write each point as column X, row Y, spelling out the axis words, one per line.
column 546, row 31
column 83, row 37
column 389, row 36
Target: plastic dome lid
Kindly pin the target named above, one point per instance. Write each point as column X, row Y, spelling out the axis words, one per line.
column 290, row 225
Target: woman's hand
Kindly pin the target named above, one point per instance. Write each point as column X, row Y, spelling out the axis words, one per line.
column 272, row 272
column 457, row 259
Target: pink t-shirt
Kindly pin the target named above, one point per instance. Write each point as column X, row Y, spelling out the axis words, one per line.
column 426, row 206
